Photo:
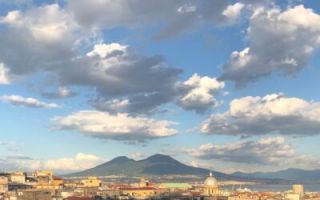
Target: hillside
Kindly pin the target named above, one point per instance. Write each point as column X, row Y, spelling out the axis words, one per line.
column 293, row 174
column 156, row 165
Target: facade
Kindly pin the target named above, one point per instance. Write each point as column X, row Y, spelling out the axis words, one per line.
column 298, row 189
column 4, row 184
column 175, row 186
column 34, row 195
column 139, row 192
column 91, row 181
column 51, row 183
column 211, row 187
column 18, row 177
column 292, row 196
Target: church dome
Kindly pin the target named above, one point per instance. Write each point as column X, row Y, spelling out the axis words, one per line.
column 211, row 181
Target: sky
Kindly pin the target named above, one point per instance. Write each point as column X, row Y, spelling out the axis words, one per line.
column 225, row 85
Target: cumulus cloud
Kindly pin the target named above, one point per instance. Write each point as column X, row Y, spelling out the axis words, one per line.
column 186, row 8
column 52, row 26
column 80, row 161
column 137, row 155
column 116, row 70
column 279, row 41
column 4, row 79
column 18, row 162
column 116, row 127
column 38, row 39
column 232, row 12
column 177, row 15
column 112, row 106
column 274, row 113
column 199, row 93
column 27, row 102
column 274, row 151
column 120, row 75
column 47, row 39
column 62, row 92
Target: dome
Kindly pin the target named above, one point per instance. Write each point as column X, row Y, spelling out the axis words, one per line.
column 211, row 181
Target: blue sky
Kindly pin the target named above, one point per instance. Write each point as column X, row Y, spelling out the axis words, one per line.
column 225, row 85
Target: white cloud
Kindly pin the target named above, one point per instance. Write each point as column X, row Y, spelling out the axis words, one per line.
column 187, row 8
column 4, row 79
column 48, row 40
column 39, row 39
column 117, row 127
column 272, row 151
column 113, row 106
column 274, row 113
column 175, row 16
column 199, row 93
column 80, row 161
column 232, row 12
column 137, row 155
column 62, row 92
column 48, row 23
column 27, row 102
column 294, row 34
column 119, row 74
column 105, row 50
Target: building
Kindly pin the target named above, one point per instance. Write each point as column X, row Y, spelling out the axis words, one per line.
column 91, row 181
column 292, row 196
column 298, row 189
column 79, row 198
column 55, row 183
column 143, row 182
column 139, row 192
column 34, row 194
column 211, row 187
column 4, row 184
column 86, row 191
column 18, row 177
column 175, row 186
column 212, row 191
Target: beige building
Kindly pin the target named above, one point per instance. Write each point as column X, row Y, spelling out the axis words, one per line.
column 18, row 177
column 46, row 180
column 34, row 194
column 4, row 184
column 211, row 187
column 292, row 196
column 140, row 192
column 91, row 181
column 298, row 189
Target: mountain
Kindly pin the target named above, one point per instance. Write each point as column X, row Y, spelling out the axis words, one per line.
column 292, row 174
column 156, row 165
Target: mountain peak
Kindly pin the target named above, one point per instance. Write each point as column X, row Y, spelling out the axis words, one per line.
column 157, row 164
column 121, row 159
column 160, row 158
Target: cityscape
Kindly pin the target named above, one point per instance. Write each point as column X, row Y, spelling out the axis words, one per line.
column 159, row 99
column 44, row 185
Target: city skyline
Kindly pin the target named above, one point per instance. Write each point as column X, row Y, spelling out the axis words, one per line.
column 224, row 85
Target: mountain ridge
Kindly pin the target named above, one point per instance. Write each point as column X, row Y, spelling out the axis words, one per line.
column 291, row 174
column 157, row 165
column 161, row 165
